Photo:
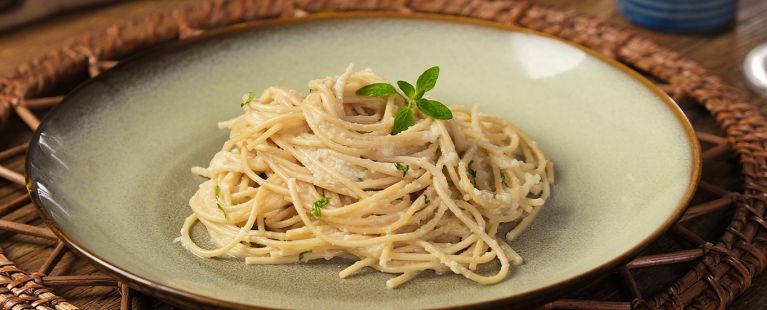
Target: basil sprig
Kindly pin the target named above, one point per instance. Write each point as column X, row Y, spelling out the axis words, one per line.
column 405, row 116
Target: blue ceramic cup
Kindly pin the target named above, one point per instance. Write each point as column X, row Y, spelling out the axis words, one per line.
column 679, row 15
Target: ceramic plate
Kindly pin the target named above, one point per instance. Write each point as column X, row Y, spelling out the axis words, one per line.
column 110, row 166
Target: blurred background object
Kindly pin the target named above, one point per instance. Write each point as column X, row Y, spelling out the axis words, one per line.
column 755, row 69
column 697, row 16
column 679, row 15
column 18, row 12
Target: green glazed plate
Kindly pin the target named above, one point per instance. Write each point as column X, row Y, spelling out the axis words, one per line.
column 110, row 166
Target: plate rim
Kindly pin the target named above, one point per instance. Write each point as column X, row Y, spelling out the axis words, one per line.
column 189, row 298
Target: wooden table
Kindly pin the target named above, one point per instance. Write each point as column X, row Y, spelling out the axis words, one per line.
column 722, row 52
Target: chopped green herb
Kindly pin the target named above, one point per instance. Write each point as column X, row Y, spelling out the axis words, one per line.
column 218, row 191
column 402, row 167
column 504, row 180
column 472, row 173
column 302, row 256
column 359, row 179
column 247, row 98
column 426, row 199
column 226, row 215
column 318, row 205
column 377, row 90
column 405, row 116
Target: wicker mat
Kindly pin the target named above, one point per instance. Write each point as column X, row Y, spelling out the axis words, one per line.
column 718, row 269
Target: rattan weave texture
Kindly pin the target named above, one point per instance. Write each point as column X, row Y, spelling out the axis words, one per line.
column 724, row 268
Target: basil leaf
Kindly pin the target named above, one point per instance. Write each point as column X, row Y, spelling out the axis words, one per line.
column 419, row 95
column 403, row 120
column 377, row 90
column 407, row 88
column 434, row 108
column 428, row 79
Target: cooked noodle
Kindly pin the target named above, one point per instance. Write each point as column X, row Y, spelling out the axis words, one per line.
column 465, row 178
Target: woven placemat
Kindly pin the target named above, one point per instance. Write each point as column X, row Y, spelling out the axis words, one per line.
column 722, row 270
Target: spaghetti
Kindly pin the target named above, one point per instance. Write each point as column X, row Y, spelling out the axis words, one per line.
column 317, row 176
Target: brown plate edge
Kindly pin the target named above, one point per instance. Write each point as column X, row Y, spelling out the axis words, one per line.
column 182, row 297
